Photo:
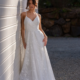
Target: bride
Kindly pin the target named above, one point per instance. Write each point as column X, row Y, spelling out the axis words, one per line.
column 36, row 63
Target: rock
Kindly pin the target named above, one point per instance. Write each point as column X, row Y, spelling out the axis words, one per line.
column 74, row 22
column 48, row 33
column 67, row 35
column 46, row 10
column 78, row 22
column 56, row 30
column 75, row 30
column 67, row 20
column 61, row 21
column 63, row 15
column 66, row 27
column 71, row 14
column 78, row 15
column 47, row 23
column 51, row 15
column 76, row 9
column 44, row 28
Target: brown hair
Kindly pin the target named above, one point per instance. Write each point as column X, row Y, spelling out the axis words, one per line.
column 34, row 2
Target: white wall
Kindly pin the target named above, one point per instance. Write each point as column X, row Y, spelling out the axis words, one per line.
column 10, row 38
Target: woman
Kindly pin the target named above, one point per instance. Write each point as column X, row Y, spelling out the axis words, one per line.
column 36, row 64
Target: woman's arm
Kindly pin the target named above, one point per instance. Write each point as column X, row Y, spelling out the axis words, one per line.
column 22, row 28
column 40, row 27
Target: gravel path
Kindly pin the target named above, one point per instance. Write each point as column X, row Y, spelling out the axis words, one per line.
column 64, row 55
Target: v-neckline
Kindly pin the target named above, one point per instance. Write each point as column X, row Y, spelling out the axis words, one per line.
column 31, row 19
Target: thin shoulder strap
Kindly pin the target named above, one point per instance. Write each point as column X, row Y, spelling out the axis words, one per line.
column 26, row 13
column 38, row 17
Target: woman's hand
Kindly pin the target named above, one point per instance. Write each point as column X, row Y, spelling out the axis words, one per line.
column 24, row 45
column 45, row 40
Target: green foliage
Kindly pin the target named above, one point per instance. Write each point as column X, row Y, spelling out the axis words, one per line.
column 65, row 10
column 45, row 3
column 55, row 11
column 48, row 3
column 75, row 3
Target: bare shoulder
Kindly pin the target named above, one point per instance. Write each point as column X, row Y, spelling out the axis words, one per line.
column 39, row 15
column 23, row 14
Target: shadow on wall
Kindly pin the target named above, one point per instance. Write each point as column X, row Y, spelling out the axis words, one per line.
column 16, row 66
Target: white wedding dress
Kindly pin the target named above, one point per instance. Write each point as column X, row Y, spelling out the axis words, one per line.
column 36, row 64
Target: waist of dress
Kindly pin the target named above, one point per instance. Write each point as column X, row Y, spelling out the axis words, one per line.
column 34, row 29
